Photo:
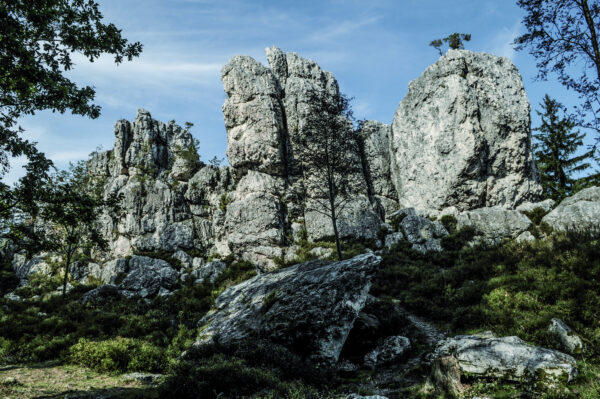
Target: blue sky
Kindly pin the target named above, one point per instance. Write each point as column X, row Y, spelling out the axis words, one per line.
column 374, row 48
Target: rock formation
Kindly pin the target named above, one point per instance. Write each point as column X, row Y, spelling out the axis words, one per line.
column 508, row 358
column 459, row 139
column 461, row 136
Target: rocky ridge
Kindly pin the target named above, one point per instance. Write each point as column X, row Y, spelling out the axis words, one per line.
column 452, row 144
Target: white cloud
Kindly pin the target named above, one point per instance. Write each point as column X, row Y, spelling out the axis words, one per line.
column 502, row 43
column 345, row 28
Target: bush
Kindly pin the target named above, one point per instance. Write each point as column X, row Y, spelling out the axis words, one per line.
column 449, row 223
column 258, row 369
column 117, row 355
column 513, row 289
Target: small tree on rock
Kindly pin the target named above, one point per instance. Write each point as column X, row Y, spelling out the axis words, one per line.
column 554, row 150
column 328, row 152
column 455, row 41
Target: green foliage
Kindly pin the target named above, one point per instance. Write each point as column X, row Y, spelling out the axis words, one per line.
column 513, row 289
column 223, row 202
column 556, row 144
column 38, row 42
column 117, row 355
column 70, row 215
column 449, row 223
column 536, row 215
column 563, row 37
column 259, row 369
column 454, row 41
column 456, row 240
column 397, row 219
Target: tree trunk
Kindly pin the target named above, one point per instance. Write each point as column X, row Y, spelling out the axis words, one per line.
column 64, row 290
column 593, row 34
column 335, row 229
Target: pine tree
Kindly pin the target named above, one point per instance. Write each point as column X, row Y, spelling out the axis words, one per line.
column 554, row 150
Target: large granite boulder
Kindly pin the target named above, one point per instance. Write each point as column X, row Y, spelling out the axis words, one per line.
column 461, row 137
column 494, row 224
column 146, row 277
column 508, row 358
column 578, row 213
column 310, row 307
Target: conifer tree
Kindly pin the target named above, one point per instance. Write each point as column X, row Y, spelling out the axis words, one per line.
column 556, row 146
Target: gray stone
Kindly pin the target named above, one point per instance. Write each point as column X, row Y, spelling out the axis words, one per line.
column 509, row 358
column 101, row 293
column 315, row 303
column 375, row 151
column 25, row 268
column 525, row 236
column 547, row 205
column 11, row 296
column 83, row 272
column 111, row 270
column 321, row 252
column 492, row 225
column 210, row 271
column 461, row 136
column 390, row 350
column 424, row 234
column 393, row 239
column 145, row 378
column 578, row 213
column 147, row 276
column 184, row 259
column 570, row 341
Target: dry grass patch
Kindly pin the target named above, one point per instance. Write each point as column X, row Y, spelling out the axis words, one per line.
column 51, row 380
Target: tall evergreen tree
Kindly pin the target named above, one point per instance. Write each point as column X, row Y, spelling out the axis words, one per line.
column 554, row 151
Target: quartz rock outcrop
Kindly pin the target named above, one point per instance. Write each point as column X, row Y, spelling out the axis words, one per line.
column 460, row 140
column 266, row 113
column 509, row 358
column 493, row 224
column 311, row 306
column 461, row 137
column 171, row 201
column 578, row 213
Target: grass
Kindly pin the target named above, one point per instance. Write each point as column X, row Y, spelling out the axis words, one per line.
column 511, row 289
column 50, row 379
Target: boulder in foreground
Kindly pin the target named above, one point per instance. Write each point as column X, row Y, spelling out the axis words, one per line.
column 310, row 307
column 509, row 358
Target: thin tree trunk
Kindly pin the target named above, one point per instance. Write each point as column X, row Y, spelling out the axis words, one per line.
column 593, row 34
column 64, row 291
column 335, row 229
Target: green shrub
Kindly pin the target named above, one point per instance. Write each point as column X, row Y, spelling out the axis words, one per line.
column 258, row 369
column 396, row 220
column 224, row 201
column 117, row 355
column 511, row 289
column 536, row 215
column 449, row 223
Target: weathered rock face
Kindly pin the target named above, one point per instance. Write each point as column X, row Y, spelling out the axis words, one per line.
column 578, row 213
column 509, row 358
column 375, row 153
column 171, row 201
column 310, row 307
column 461, row 137
column 265, row 115
column 494, row 224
